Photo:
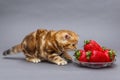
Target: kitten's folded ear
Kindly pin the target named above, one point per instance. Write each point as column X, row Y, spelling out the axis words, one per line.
column 67, row 36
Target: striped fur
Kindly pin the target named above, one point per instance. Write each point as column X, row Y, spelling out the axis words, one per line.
column 47, row 45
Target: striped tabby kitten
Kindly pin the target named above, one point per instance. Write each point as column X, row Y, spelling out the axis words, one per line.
column 46, row 45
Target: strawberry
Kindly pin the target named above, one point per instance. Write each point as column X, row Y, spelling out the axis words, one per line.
column 84, row 57
column 97, row 56
column 90, row 45
column 110, row 55
column 81, row 55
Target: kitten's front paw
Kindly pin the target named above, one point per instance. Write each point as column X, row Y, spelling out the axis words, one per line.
column 34, row 60
column 62, row 62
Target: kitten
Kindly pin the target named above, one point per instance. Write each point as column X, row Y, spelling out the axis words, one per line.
column 47, row 45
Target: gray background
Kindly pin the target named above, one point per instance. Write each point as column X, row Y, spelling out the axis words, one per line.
column 91, row 19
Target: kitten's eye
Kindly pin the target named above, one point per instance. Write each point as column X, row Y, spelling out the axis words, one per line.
column 73, row 44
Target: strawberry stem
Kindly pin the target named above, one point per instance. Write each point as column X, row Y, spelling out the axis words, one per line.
column 77, row 54
column 86, row 42
column 112, row 54
column 88, row 54
column 104, row 48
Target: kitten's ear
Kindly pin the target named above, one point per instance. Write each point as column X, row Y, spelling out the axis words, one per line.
column 67, row 36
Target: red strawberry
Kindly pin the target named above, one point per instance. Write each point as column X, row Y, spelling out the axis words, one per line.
column 110, row 55
column 81, row 55
column 90, row 45
column 97, row 56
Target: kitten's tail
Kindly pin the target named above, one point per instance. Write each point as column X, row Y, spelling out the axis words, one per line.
column 15, row 49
